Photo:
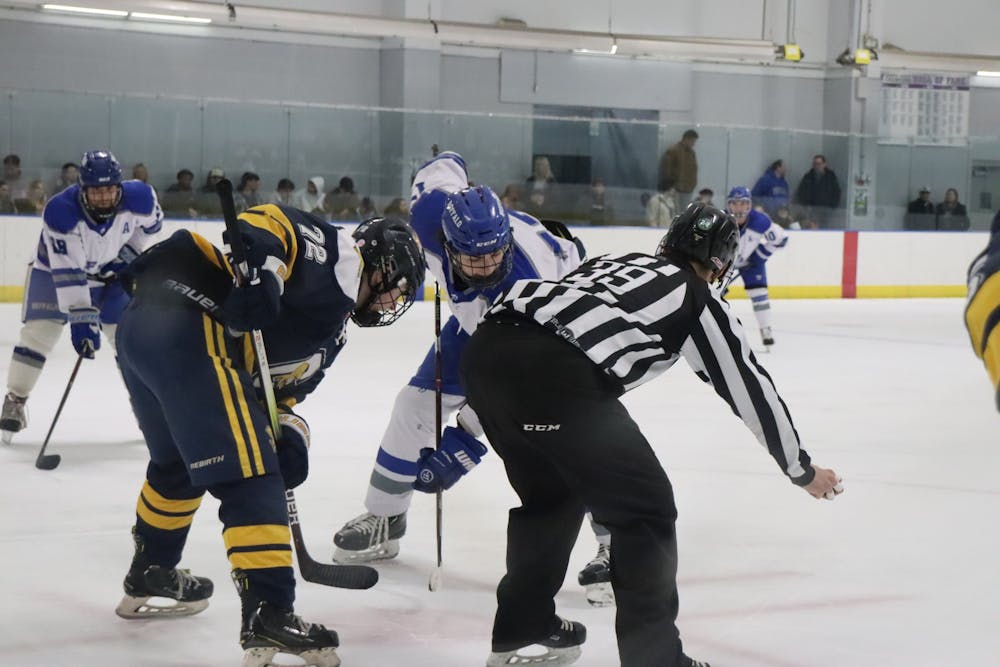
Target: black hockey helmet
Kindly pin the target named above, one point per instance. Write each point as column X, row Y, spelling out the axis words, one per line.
column 705, row 234
column 393, row 260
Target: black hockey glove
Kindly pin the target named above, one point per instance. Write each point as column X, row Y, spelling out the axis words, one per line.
column 254, row 306
column 293, row 449
column 438, row 470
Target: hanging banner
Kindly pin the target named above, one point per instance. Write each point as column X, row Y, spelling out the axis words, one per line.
column 925, row 108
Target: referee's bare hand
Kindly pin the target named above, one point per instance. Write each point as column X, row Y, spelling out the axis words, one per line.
column 826, row 484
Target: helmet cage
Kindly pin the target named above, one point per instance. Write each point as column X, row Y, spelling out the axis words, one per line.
column 393, row 262
column 100, row 169
column 477, row 237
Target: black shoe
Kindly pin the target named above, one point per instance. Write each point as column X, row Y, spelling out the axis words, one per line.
column 766, row 336
column 368, row 537
column 268, row 629
column 562, row 647
column 144, row 581
column 596, row 578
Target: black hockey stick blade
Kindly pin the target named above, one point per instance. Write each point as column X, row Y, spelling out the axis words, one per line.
column 356, row 577
column 48, row 461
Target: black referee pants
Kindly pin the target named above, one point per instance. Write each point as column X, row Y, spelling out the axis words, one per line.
column 568, row 443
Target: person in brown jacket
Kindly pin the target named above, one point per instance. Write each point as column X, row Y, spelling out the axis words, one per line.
column 679, row 169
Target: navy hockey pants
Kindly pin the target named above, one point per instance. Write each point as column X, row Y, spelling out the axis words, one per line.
column 205, row 430
column 568, row 443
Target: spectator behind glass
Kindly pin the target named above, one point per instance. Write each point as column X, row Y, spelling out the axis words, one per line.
column 68, row 175
column 511, row 197
column 783, row 216
column 140, row 173
column 283, row 193
column 397, row 208
column 310, row 198
column 819, row 193
column 366, row 209
column 14, row 178
column 951, row 214
column 246, row 194
column 178, row 201
column 207, row 202
column 659, row 209
column 342, row 202
column 771, row 190
column 705, row 196
column 593, row 205
column 541, row 173
column 37, row 196
column 678, row 170
column 920, row 212
column 6, row 203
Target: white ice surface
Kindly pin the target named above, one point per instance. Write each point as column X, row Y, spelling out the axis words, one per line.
column 903, row 569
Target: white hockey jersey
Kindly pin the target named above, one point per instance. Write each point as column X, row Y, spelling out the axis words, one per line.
column 759, row 238
column 77, row 250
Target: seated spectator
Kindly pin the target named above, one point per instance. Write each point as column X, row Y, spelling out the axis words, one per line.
column 179, row 199
column 594, row 207
column 705, row 196
column 6, row 203
column 659, row 209
column 246, row 194
column 140, row 173
column 68, row 175
column 397, row 208
column 511, row 197
column 207, row 202
column 310, row 198
column 951, row 214
column 366, row 209
column 783, row 216
column 920, row 212
column 38, row 194
column 771, row 190
column 14, row 178
column 342, row 202
column 283, row 193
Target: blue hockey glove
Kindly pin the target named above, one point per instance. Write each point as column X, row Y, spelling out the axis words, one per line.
column 85, row 329
column 440, row 469
column 293, row 449
column 111, row 270
column 254, row 306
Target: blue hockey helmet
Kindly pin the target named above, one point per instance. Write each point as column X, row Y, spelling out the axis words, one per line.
column 735, row 203
column 100, row 169
column 477, row 236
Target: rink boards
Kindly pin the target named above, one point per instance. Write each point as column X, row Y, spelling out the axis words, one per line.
column 814, row 264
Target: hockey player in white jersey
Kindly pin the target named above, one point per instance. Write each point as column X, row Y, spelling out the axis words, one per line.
column 475, row 249
column 90, row 232
column 759, row 238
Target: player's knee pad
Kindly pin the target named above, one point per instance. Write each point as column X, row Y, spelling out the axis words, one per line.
column 40, row 335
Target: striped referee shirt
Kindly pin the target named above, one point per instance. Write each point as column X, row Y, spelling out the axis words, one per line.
column 634, row 315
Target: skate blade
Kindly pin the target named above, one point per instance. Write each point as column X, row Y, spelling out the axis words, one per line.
column 384, row 552
column 553, row 657
column 600, row 595
column 6, row 437
column 264, row 657
column 140, row 607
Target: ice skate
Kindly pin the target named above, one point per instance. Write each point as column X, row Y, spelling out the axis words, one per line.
column 596, row 578
column 561, row 647
column 152, row 591
column 269, row 630
column 766, row 336
column 368, row 538
column 14, row 416
column 691, row 662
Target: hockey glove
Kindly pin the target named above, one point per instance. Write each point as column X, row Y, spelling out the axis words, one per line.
column 254, row 306
column 293, row 449
column 85, row 330
column 111, row 270
column 438, row 470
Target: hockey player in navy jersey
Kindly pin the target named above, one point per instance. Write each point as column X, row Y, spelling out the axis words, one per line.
column 189, row 372
column 476, row 249
column 759, row 238
column 90, row 232
column 545, row 371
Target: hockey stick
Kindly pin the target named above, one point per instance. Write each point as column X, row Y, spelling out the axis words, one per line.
column 51, row 461
column 435, row 581
column 339, row 576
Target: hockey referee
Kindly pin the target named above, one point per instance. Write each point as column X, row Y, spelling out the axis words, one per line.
column 545, row 371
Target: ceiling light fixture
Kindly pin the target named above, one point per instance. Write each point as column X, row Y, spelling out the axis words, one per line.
column 143, row 16
column 92, row 11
